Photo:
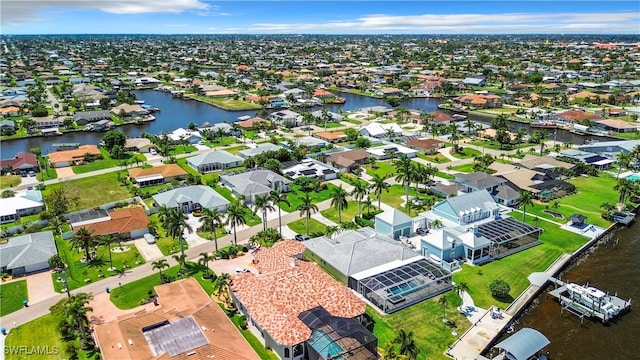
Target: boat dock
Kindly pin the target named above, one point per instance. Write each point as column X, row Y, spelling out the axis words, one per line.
column 584, row 309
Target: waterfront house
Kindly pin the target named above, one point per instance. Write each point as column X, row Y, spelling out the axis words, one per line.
column 214, row 161
column 594, row 159
column 254, row 123
column 286, row 118
column 22, row 163
column 391, row 151
column 335, row 117
column 130, row 110
column 298, row 310
column 141, row 145
column 27, row 253
column 610, row 148
column 8, row 126
column 331, row 136
column 85, row 117
column 248, row 184
column 619, row 126
column 47, row 122
column 378, row 130
column 347, row 160
column 156, row 175
column 382, row 270
column 74, row 156
column 190, row 198
column 179, row 135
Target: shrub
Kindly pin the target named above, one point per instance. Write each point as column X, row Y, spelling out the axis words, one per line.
column 363, row 222
column 499, row 289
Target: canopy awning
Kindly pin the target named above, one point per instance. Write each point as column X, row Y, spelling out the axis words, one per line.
column 523, row 344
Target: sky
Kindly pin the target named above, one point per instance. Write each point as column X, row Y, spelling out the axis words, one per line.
column 319, row 17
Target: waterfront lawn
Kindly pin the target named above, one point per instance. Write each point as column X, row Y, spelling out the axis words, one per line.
column 11, row 296
column 494, row 145
column 383, row 168
column 347, row 214
column 228, row 104
column 9, row 181
column 107, row 162
column 466, row 153
column 93, row 191
column 39, row 333
column 592, row 192
column 300, row 226
column 79, row 274
column 431, row 334
column 566, row 211
column 435, row 158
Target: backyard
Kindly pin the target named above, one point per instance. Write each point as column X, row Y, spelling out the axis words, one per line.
column 11, row 296
column 295, row 197
column 228, row 104
column 93, row 191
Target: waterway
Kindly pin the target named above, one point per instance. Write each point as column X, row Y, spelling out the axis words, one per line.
column 613, row 269
column 177, row 113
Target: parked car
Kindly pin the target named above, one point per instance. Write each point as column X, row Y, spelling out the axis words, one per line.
column 240, row 270
column 153, row 152
column 301, row 237
column 150, row 239
column 422, row 231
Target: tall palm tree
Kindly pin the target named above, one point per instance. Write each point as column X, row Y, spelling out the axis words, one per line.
column 181, row 259
column 306, row 208
column 76, row 309
column 443, row 301
column 407, row 344
column 211, row 220
column 339, row 200
column 524, row 200
column 221, row 286
column 359, row 192
column 175, row 224
column 263, row 204
column 379, row 185
column 626, row 188
column 235, row 217
column 624, row 160
column 108, row 240
column 159, row 265
column 205, row 257
column 461, row 287
column 403, row 173
column 278, row 197
column 83, row 238
column 331, row 230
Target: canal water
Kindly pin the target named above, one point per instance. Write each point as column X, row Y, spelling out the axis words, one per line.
column 609, row 268
column 177, row 113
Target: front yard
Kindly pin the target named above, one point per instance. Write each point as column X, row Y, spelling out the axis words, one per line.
column 41, row 333
column 9, row 181
column 300, row 226
column 93, row 191
column 347, row 214
column 11, row 296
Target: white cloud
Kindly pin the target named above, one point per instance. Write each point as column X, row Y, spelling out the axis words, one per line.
column 14, row 12
column 621, row 22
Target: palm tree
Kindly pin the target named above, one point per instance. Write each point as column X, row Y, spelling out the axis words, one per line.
column 76, row 310
column 359, row 192
column 108, row 240
column 235, row 217
column 461, row 287
column 175, row 223
column 403, row 173
column 443, row 302
column 525, row 200
column 624, row 160
column 306, row 208
column 339, row 200
column 263, row 204
column 407, row 344
column 83, row 238
column 367, row 204
column 331, row 230
column 181, row 259
column 211, row 219
column 278, row 197
column 626, row 187
column 389, row 352
column 159, row 265
column 204, row 261
column 221, row 286
column 437, row 223
column 379, row 185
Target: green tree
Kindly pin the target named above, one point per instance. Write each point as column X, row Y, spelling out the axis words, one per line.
column 404, row 173
column 107, row 241
column 278, row 197
column 181, row 260
column 235, row 217
column 205, row 257
column 84, row 239
column 339, row 200
column 524, row 200
column 379, row 185
column 221, row 287
column 407, row 344
column 175, row 224
column 443, row 301
column 626, row 188
column 59, row 201
column 112, row 138
column 306, row 208
column 159, row 265
column 499, row 289
column 262, row 204
column 624, row 160
column 363, row 143
column 359, row 192
column 211, row 220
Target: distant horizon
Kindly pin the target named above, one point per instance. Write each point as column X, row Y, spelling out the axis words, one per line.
column 280, row 17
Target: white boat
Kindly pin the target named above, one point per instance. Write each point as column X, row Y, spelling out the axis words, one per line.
column 139, row 102
column 593, row 299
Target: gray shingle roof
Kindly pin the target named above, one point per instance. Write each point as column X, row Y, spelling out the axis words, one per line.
column 26, row 250
column 472, row 200
column 253, row 182
column 222, row 157
column 259, row 149
column 203, row 195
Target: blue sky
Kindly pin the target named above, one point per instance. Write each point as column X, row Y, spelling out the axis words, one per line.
column 318, row 17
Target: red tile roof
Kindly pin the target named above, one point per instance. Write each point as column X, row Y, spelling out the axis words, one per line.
column 23, row 158
column 427, row 144
column 278, row 257
column 74, row 154
column 575, row 115
column 122, row 222
column 168, row 170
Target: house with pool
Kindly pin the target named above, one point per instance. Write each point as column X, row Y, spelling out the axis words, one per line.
column 299, row 311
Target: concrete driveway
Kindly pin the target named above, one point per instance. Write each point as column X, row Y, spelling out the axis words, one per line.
column 149, row 252
column 40, row 286
column 64, row 172
column 229, row 266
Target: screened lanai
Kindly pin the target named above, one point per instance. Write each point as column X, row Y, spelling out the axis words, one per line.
column 401, row 285
column 508, row 235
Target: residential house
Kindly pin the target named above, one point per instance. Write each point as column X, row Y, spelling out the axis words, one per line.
column 610, row 148
column 254, row 123
column 214, row 161
column 463, row 209
column 298, row 310
column 502, row 191
column 309, row 168
column 179, row 135
column 189, row 198
column 331, row 136
column 594, row 159
column 27, row 253
column 285, row 117
column 258, row 149
column 47, row 122
column 479, row 101
column 378, row 130
column 141, row 145
column 395, row 278
column 184, row 323
column 156, row 175
column 85, row 117
column 22, row 204
column 73, row 156
column 474, row 81
column 7, row 126
column 254, row 182
column 389, row 92
column 426, row 146
column 619, row 126
column 442, row 118
column 347, row 160
column 578, row 116
column 335, row 117
column 128, row 223
column 146, row 82
column 394, row 223
column 390, row 151
column 130, row 110
column 22, row 163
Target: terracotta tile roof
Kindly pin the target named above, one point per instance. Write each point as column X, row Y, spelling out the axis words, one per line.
column 348, row 158
column 247, row 124
column 327, row 135
column 122, row 221
column 22, row 158
column 439, row 116
column 575, row 115
column 169, row 170
column 427, row 144
column 74, row 154
column 616, row 124
column 275, row 300
column 278, row 257
column 322, row 93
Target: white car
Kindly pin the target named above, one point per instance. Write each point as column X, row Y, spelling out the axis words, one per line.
column 240, row 270
column 153, row 152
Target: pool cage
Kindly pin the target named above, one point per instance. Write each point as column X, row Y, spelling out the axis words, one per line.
column 336, row 338
column 508, row 235
column 402, row 286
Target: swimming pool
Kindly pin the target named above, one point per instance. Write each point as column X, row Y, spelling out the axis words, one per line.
column 402, row 288
column 634, row 177
column 324, row 345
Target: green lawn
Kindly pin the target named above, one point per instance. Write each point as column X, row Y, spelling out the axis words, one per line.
column 354, row 121
column 436, row 158
column 394, row 197
column 41, row 332
column 9, row 181
column 166, row 244
column 93, row 191
column 466, row 153
column 11, row 296
column 382, row 168
column 592, row 192
column 264, row 354
column 515, row 269
column 296, row 195
column 78, row 272
column 465, row 168
column 347, row 214
column 444, row 175
column 226, row 140
column 181, row 149
column 236, row 149
column 300, row 226
column 431, row 334
column 494, row 145
column 107, row 162
column 228, row 104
